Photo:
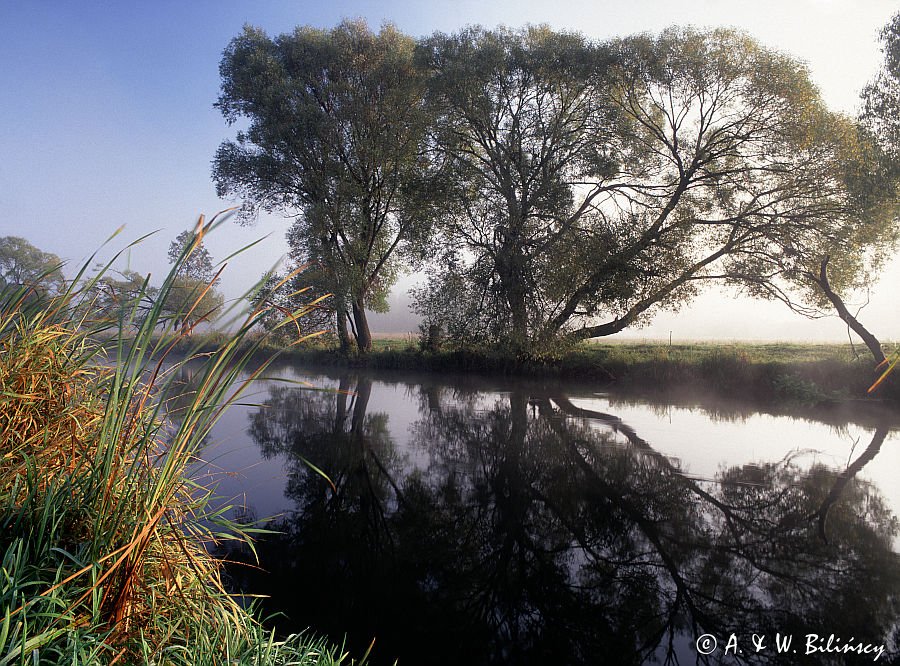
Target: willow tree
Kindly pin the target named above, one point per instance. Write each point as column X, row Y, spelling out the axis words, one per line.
column 881, row 119
column 529, row 136
column 335, row 137
column 611, row 181
column 818, row 272
column 816, row 278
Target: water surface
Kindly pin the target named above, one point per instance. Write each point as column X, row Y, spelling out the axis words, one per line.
column 511, row 522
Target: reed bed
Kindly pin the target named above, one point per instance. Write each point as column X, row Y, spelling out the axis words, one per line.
column 105, row 539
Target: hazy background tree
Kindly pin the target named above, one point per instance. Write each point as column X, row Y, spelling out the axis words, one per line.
column 193, row 296
column 197, row 263
column 881, row 98
column 336, row 138
column 881, row 104
column 22, row 264
column 280, row 295
column 120, row 295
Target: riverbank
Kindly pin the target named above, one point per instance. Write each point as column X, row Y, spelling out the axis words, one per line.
column 809, row 374
column 105, row 535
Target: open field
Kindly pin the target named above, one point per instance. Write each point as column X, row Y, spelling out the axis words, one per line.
column 756, row 352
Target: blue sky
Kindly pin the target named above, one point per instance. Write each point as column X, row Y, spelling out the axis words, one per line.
column 106, row 117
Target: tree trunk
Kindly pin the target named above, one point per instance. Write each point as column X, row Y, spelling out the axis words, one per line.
column 343, row 335
column 363, row 335
column 519, row 321
column 340, row 413
column 514, row 292
column 847, row 475
column 360, row 405
column 854, row 324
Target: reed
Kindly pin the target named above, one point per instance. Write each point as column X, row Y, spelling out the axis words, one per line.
column 105, row 538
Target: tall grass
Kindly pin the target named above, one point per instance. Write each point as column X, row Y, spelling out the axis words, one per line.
column 104, row 537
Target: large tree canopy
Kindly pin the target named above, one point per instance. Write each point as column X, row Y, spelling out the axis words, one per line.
column 336, row 138
column 531, row 138
column 598, row 184
column 577, row 186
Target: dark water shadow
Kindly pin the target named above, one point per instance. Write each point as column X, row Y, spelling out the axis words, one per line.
column 519, row 528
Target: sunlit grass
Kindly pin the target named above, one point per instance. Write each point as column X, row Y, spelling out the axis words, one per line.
column 763, row 373
column 104, row 537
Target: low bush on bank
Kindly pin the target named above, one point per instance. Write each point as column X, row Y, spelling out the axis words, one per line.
column 104, row 537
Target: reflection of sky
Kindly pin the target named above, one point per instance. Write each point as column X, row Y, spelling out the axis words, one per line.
column 701, row 444
column 704, row 446
column 241, row 475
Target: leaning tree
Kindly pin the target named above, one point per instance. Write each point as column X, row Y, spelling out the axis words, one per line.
column 847, row 259
column 336, row 138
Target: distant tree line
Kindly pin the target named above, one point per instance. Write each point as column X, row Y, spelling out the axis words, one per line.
column 121, row 295
column 553, row 187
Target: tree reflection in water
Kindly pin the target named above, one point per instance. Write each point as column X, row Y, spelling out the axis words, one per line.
column 539, row 532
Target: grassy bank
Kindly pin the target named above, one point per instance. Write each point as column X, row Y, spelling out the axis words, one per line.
column 105, row 539
column 802, row 373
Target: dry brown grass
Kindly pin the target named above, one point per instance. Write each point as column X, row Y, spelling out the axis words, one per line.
column 103, row 534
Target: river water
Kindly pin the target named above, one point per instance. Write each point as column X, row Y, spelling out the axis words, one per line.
column 502, row 521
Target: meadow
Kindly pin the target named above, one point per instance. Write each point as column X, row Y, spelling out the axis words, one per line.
column 802, row 373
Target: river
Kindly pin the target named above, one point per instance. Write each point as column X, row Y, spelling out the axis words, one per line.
column 500, row 521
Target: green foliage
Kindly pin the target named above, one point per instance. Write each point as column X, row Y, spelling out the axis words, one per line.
column 278, row 297
column 453, row 302
column 881, row 98
column 191, row 301
column 606, row 181
column 195, row 262
column 103, row 534
column 192, row 296
column 522, row 119
column 130, row 293
column 336, row 138
column 22, row 264
column 578, row 187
